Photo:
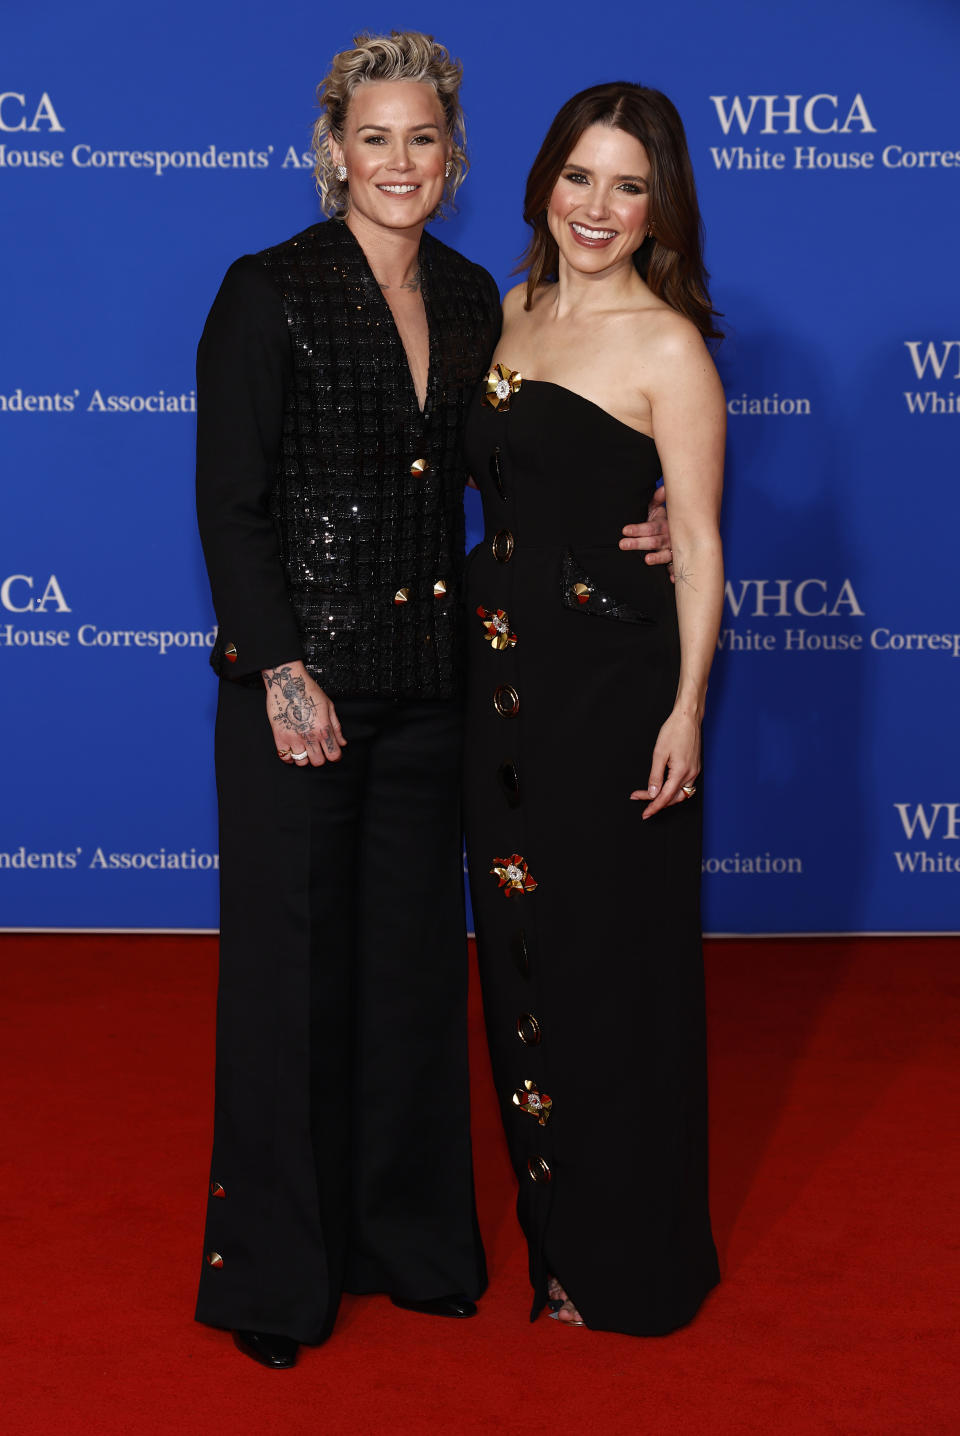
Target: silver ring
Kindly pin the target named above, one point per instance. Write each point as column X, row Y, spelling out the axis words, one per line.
column 298, row 756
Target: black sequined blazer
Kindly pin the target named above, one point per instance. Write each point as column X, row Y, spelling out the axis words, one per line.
column 330, row 507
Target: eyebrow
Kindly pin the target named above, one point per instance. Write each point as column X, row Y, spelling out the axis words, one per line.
column 585, row 170
column 385, row 129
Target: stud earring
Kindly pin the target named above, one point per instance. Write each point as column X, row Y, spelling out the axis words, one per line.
column 341, row 173
column 448, row 169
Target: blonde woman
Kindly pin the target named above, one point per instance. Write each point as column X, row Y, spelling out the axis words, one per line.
column 333, row 376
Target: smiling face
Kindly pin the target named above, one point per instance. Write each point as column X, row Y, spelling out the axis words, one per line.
column 599, row 206
column 395, row 147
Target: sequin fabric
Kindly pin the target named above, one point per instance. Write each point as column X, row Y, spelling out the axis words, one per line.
column 358, row 517
column 579, row 592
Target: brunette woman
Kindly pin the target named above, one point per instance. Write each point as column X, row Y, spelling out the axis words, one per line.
column 588, row 675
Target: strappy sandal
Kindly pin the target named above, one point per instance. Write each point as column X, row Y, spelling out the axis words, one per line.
column 561, row 1307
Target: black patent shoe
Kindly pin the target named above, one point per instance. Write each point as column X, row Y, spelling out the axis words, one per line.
column 454, row 1305
column 276, row 1352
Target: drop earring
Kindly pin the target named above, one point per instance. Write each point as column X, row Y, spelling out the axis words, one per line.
column 341, row 173
column 447, row 169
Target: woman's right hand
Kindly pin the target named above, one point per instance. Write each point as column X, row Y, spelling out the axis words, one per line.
column 305, row 725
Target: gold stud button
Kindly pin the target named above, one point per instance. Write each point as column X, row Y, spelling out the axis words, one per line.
column 230, row 653
column 581, row 592
column 506, row 700
column 503, row 546
column 420, row 466
column 528, row 1029
column 440, row 588
column 539, row 1169
column 216, row 1190
column 402, row 595
column 214, row 1259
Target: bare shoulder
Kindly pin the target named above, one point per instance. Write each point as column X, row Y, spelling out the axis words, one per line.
column 513, row 301
column 671, row 338
column 519, row 324
column 670, row 352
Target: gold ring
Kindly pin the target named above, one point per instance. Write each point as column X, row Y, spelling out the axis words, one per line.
column 282, row 752
column 689, row 789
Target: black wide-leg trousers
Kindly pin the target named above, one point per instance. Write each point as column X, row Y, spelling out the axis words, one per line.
column 341, row 1156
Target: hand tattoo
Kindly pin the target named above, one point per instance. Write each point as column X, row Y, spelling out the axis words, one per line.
column 295, row 709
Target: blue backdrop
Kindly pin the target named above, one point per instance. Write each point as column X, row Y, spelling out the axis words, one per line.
column 142, row 150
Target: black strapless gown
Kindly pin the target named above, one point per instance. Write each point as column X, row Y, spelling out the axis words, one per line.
column 588, row 920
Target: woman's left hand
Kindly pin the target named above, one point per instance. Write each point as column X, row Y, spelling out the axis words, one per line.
column 676, row 763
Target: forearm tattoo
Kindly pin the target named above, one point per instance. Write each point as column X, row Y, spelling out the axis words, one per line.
column 294, row 709
column 682, row 575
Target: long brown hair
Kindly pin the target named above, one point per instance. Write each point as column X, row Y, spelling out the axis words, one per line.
column 670, row 259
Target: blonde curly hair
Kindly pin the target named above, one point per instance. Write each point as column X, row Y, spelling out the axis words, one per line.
column 401, row 55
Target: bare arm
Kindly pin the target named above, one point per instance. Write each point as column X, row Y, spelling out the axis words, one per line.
column 689, row 420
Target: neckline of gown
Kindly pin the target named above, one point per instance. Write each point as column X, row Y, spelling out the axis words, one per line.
column 550, row 384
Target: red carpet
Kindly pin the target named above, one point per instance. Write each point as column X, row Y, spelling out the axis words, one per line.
column 835, row 1206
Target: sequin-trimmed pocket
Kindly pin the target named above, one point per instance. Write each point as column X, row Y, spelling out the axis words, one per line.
column 583, row 595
